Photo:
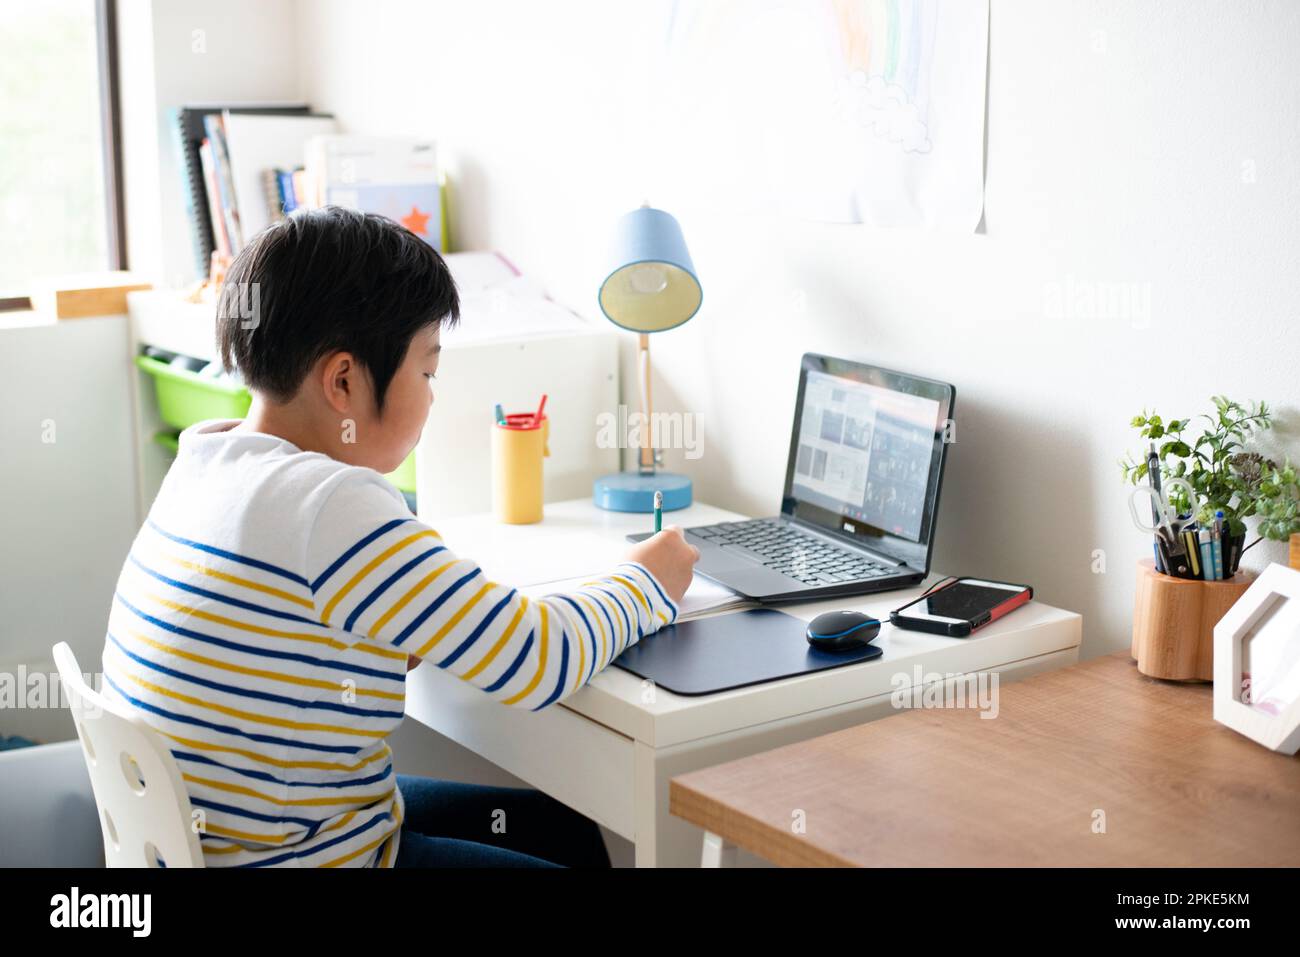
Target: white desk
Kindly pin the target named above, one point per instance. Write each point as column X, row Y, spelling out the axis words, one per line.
column 610, row 749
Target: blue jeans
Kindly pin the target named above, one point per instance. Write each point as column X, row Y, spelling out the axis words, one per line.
column 452, row 824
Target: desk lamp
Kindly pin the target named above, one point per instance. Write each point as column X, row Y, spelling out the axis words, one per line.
column 651, row 287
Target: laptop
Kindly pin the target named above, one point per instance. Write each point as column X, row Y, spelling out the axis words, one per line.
column 861, row 490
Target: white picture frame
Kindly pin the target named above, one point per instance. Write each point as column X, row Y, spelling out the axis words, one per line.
column 1259, row 638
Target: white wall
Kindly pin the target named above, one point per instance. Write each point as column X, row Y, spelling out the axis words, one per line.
column 67, row 497
column 178, row 53
column 1118, row 140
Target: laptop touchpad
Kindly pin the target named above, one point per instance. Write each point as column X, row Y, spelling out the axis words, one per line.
column 717, row 559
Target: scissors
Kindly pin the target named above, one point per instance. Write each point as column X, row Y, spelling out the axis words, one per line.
column 1165, row 521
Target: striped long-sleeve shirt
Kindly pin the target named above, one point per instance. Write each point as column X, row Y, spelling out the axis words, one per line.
column 262, row 624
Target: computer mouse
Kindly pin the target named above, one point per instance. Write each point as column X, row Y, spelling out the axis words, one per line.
column 842, row 630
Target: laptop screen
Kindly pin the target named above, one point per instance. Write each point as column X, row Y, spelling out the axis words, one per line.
column 867, row 454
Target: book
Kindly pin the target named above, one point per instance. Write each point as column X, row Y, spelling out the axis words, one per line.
column 288, row 198
column 221, row 241
column 258, row 143
column 300, row 196
column 271, row 195
column 229, row 211
column 188, row 134
column 397, row 177
column 193, row 188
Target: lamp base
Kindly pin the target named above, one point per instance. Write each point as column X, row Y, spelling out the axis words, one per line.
column 634, row 492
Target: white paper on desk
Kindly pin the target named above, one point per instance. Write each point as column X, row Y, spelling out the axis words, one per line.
column 497, row 302
column 477, row 272
column 702, row 597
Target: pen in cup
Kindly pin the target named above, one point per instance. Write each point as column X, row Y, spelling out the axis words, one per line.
column 1153, row 475
column 1216, row 544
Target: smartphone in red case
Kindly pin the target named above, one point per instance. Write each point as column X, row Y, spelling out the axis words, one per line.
column 961, row 606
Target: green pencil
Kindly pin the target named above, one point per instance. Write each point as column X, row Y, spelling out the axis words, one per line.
column 659, row 511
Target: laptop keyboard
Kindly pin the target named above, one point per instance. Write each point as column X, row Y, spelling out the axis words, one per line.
column 804, row 558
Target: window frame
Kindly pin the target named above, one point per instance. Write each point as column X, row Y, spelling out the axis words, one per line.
column 110, row 115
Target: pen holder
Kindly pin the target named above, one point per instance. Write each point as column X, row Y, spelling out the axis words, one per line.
column 1174, row 619
column 1232, row 548
column 518, row 448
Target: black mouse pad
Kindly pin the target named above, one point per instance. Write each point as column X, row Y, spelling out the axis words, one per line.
column 731, row 651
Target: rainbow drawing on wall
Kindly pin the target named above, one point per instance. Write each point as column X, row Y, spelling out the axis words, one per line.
column 844, row 111
column 877, row 54
column 885, row 49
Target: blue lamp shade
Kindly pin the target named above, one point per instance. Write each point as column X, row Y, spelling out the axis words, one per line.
column 651, row 284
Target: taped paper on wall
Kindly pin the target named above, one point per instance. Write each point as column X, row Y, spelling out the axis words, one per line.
column 847, row 111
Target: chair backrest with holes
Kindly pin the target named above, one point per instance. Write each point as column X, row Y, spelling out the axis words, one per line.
column 144, row 809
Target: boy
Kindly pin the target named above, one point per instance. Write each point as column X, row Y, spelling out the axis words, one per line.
column 280, row 588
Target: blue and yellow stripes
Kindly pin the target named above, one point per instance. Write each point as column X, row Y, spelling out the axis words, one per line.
column 275, row 685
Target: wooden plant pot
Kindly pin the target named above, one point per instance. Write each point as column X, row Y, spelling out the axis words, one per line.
column 1174, row 619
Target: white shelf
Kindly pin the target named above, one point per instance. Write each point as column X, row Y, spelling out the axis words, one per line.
column 165, row 320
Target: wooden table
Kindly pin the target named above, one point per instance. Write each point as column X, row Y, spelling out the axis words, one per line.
column 945, row 787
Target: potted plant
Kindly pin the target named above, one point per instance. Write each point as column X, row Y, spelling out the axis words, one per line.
column 1224, row 473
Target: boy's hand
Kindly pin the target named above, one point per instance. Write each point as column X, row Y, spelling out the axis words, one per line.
column 412, row 661
column 670, row 558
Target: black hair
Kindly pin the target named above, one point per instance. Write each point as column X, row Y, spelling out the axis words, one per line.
column 327, row 280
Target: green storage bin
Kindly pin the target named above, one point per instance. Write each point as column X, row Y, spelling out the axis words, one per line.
column 185, row 397
column 169, row 440
column 404, row 475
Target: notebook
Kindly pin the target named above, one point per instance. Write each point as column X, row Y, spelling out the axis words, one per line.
column 188, row 136
column 702, row 598
column 397, row 177
column 260, row 143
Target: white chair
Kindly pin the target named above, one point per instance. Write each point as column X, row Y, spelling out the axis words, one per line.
column 144, row 809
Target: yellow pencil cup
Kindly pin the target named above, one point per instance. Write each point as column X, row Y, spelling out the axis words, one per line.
column 518, row 448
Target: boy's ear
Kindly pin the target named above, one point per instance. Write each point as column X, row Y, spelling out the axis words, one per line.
column 339, row 380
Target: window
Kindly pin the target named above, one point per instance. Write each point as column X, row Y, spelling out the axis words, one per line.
column 59, row 198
